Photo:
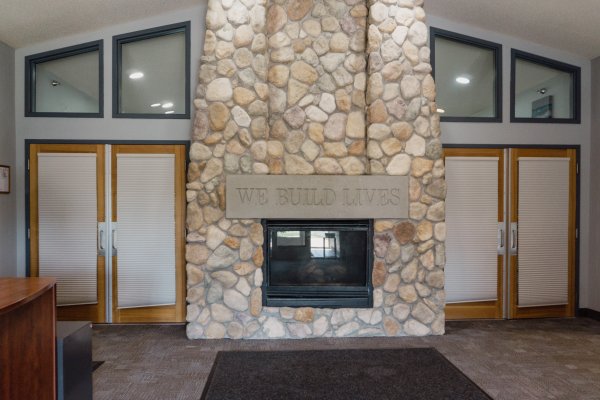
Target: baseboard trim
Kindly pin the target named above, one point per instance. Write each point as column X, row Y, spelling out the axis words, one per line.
column 589, row 313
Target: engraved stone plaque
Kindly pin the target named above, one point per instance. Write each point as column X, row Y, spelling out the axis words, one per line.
column 316, row 196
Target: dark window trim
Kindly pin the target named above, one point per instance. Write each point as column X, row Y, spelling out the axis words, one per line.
column 32, row 60
column 572, row 69
column 472, row 41
column 151, row 33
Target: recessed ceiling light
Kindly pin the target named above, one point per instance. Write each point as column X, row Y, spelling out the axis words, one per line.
column 136, row 75
column 155, row 105
column 463, row 80
column 441, row 110
column 167, row 105
column 170, row 112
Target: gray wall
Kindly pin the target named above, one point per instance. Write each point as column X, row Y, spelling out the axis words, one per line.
column 100, row 129
column 594, row 301
column 8, row 221
column 541, row 134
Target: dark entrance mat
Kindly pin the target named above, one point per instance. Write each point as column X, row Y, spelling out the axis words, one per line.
column 421, row 373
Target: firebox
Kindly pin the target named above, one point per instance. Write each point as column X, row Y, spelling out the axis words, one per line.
column 318, row 263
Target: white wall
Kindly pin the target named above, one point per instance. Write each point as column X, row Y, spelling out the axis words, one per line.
column 594, row 298
column 543, row 134
column 100, row 129
column 8, row 253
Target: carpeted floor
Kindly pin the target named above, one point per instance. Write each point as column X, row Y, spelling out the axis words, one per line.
column 516, row 360
column 402, row 374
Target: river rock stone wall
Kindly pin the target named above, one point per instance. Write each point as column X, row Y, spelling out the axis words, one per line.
column 302, row 87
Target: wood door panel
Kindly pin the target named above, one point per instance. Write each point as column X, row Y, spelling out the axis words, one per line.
column 559, row 310
column 166, row 313
column 92, row 312
column 482, row 309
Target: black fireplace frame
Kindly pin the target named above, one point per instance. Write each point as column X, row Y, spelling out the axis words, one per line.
column 318, row 296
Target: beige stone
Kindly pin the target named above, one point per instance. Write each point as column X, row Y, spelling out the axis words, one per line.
column 429, row 88
column 343, row 100
column 297, row 9
column 330, row 24
column 327, row 166
column 312, row 27
column 377, row 112
column 243, row 96
column 278, row 75
column 219, row 90
column 256, row 302
column 421, row 166
column 335, row 128
column 415, row 146
column 410, row 87
column 303, row 72
column 304, row 314
column 391, row 326
column 357, row 148
column 391, row 146
column 315, row 132
column 399, row 165
column 335, row 149
column 296, row 165
column 296, row 91
column 415, row 328
column 352, row 166
column 339, row 42
column 276, row 18
column 404, row 232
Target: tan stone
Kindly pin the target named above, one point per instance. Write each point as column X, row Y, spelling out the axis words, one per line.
column 391, row 283
column 352, row 166
column 330, row 24
column 279, row 129
column 256, row 302
column 402, row 130
column 343, row 100
column 355, row 127
column 297, row 9
column 296, row 91
column 258, row 257
column 276, row 18
column 315, row 133
column 421, row 166
column 335, row 128
column 327, row 166
column 275, row 166
column 424, row 230
column 335, row 149
column 235, row 147
column 243, row 36
column 399, row 165
column 243, row 96
column 304, row 72
column 391, row 146
column 218, row 115
column 275, row 148
column 244, row 268
column 304, row 314
column 391, row 326
column 196, row 253
column 382, row 225
column 357, row 148
column 226, row 67
column 404, row 232
column 377, row 112
column 231, row 242
column 429, row 88
column 379, row 273
column 339, row 43
column 312, row 27
column 392, row 70
column 278, row 75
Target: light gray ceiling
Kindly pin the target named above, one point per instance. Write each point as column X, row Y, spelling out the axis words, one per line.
column 25, row 22
column 571, row 25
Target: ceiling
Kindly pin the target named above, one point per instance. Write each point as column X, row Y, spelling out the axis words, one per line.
column 568, row 25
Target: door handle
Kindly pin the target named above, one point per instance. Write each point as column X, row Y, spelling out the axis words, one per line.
column 102, row 239
column 514, row 238
column 501, row 243
column 114, row 227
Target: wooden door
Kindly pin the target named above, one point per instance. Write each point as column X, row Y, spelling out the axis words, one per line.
column 148, row 206
column 67, row 204
column 542, row 241
column 475, row 234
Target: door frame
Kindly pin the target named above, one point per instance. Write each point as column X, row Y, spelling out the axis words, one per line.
column 29, row 142
column 577, row 149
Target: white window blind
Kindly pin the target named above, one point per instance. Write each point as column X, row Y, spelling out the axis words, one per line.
column 472, row 229
column 146, row 230
column 67, row 209
column 543, row 231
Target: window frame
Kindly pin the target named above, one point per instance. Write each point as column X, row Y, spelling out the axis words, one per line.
column 31, row 62
column 575, row 72
column 131, row 37
column 476, row 42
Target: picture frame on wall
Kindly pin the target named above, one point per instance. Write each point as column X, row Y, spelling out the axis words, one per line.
column 4, row 179
column 542, row 108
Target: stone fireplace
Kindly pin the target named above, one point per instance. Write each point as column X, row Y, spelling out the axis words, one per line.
column 304, row 88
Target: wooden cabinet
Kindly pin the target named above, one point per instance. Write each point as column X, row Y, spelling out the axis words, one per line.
column 27, row 338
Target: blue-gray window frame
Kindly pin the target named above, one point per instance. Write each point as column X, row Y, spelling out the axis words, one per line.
column 119, row 40
column 496, row 48
column 575, row 72
column 33, row 60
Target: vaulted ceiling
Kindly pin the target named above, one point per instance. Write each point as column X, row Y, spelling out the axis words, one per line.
column 568, row 25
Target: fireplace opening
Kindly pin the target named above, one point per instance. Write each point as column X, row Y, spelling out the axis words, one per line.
column 318, row 263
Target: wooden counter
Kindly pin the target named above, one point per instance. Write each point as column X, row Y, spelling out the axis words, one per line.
column 27, row 338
